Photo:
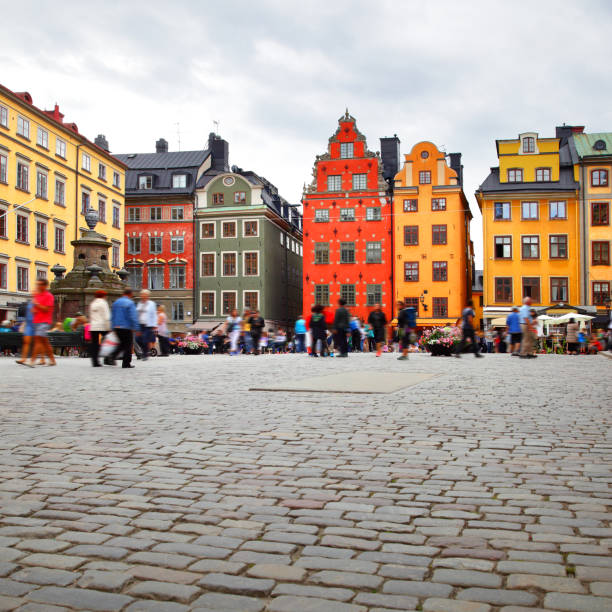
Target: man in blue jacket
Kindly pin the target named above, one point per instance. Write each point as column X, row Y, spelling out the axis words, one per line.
column 124, row 320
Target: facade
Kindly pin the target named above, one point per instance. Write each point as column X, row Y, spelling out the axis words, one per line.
column 594, row 167
column 248, row 247
column 531, row 224
column 477, row 297
column 348, row 242
column 431, row 225
column 50, row 175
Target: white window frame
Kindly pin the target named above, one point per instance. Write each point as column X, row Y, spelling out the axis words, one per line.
column 42, row 137
column 26, row 165
column 172, row 267
column 62, row 182
column 321, row 211
column 223, row 222
column 227, row 314
column 557, row 202
column 148, row 181
column 4, row 166
column 22, row 266
column 177, row 208
column 163, row 276
column 23, row 127
column 39, row 183
column 3, row 116
column 214, row 274
column 116, row 179
column 116, row 250
column 4, row 266
column 132, row 214
column 360, row 177
column 60, row 147
column 130, row 250
column 221, row 264
column 244, row 221
column 101, row 171
column 537, row 210
column 349, row 153
column 214, row 312
column 245, row 291
column 55, row 245
column 338, row 182
column 27, row 226
column 352, row 212
column 172, row 239
column 117, row 211
column 172, row 308
column 101, row 209
column 44, row 224
column 86, row 162
column 161, row 242
column 244, row 254
column 373, row 216
column 179, row 176
column 214, row 224
column 161, row 213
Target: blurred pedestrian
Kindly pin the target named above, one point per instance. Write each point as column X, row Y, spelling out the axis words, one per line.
column 342, row 322
column 318, row 331
column 468, row 333
column 162, row 331
column 513, row 323
column 378, row 322
column 43, row 302
column 99, row 324
column 124, row 321
column 233, row 327
column 300, row 334
column 256, row 325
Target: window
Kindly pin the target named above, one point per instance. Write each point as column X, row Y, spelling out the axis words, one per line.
column 116, row 215
column 438, row 204
column 145, row 182
column 23, row 277
column 3, row 168
column 250, row 229
column 217, row 198
column 373, row 252
column 414, row 302
column 3, row 116
column 440, row 271
column 334, row 182
column 177, row 213
column 440, row 307
column 133, row 245
column 42, row 138
column 529, row 144
column 347, row 214
column 321, row 252
column 360, row 181
column 373, row 213
column 207, row 303
column 207, row 267
column 41, row 185
column 557, row 246
column 411, row 205
column 3, row 272
column 411, row 271
column 600, row 213
column 133, row 214
column 557, row 210
column 23, row 127
column 23, row 176
column 177, row 277
column 135, row 277
column 177, row 312
column 411, row 235
column 177, row 244
column 155, row 244
column 102, row 172
column 228, row 229
column 600, row 253
column 502, row 211
column 503, row 247
column 530, row 247
column 115, row 256
column 116, row 180
column 156, row 277
column 239, row 197
column 503, row 289
column 531, row 288
column 22, row 228
column 601, row 293
column 229, row 264
column 346, row 150
column 438, row 234
column 41, row 234
column 86, row 162
column 60, row 192
column 559, row 289
column 599, row 178
column 251, row 264
column 60, row 147
column 424, row 177
column 251, row 300
column 347, row 293
column 321, row 215
column 373, row 294
column 322, row 295
column 229, row 301
column 84, row 202
column 542, row 174
column 529, row 211
column 155, row 213
column 3, row 225
column 347, row 252
column 207, row 230
column 179, row 181
column 59, row 240
column 282, row 239
column 41, row 274
column 102, row 211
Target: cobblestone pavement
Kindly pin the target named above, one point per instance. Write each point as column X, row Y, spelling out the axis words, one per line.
column 171, row 487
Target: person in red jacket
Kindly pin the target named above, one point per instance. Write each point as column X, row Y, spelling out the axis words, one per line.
column 43, row 302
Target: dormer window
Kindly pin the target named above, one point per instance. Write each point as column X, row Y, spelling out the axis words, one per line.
column 346, row 150
column 515, row 175
column 145, row 182
column 528, row 144
column 179, row 181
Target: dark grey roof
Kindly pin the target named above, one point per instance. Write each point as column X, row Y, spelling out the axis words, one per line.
column 566, row 182
column 162, row 161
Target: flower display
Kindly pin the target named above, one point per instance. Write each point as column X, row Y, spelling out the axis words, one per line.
column 436, row 338
column 192, row 343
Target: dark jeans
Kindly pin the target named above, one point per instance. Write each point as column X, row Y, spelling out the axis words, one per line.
column 468, row 334
column 125, row 346
column 147, row 336
column 96, row 340
column 255, row 339
column 356, row 338
column 319, row 335
column 164, row 345
column 341, row 341
column 300, row 343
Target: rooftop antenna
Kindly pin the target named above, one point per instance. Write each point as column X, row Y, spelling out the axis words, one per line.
column 216, row 123
column 178, row 134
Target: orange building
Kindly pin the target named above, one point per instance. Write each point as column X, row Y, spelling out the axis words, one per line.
column 432, row 248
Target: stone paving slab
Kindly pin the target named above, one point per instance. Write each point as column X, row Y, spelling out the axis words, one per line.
column 484, row 487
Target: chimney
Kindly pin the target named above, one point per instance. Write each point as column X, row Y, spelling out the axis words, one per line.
column 161, row 146
column 457, row 166
column 102, row 142
column 219, row 150
column 390, row 155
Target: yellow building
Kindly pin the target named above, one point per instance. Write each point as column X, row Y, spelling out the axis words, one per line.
column 531, row 226
column 433, row 261
column 50, row 174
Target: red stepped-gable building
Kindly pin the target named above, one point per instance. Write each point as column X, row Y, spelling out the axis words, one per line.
column 347, row 226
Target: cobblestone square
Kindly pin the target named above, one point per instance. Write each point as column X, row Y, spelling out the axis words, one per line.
column 172, row 487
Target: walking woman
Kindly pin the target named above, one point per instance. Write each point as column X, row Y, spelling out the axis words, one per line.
column 28, row 335
column 99, row 324
column 162, row 331
column 233, row 327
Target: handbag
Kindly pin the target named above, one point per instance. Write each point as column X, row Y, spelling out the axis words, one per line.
column 109, row 344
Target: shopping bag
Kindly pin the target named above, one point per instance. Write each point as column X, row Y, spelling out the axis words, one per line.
column 109, row 344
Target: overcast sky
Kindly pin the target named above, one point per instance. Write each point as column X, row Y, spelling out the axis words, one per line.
column 277, row 74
